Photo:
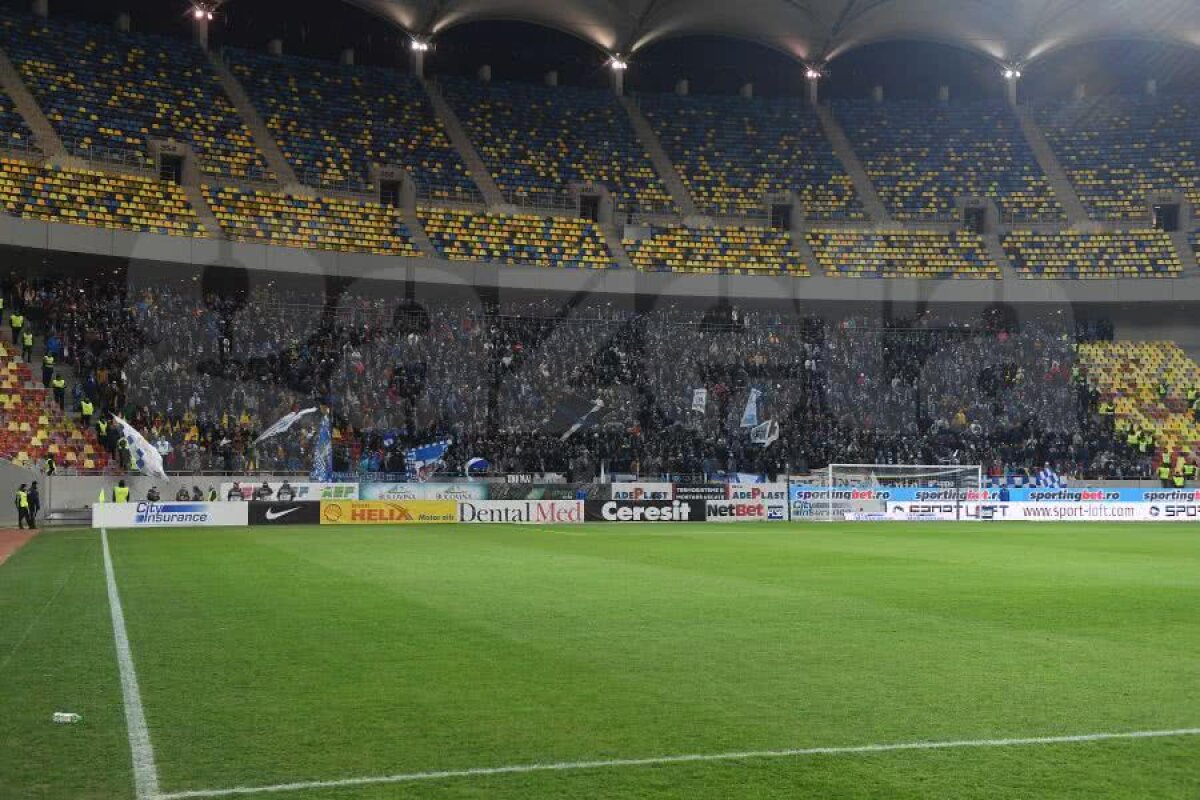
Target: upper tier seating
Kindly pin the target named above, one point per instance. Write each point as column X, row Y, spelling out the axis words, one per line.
column 515, row 239
column 102, row 89
column 32, row 427
column 88, row 197
column 539, row 140
column 902, row 254
column 921, row 156
column 13, row 130
column 725, row 250
column 1117, row 150
column 314, row 223
column 733, row 152
column 333, row 122
column 1076, row 254
column 1129, row 375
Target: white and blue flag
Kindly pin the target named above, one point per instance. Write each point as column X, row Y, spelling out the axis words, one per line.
column 144, row 457
column 283, row 424
column 765, row 434
column 423, row 461
column 750, row 415
column 322, row 466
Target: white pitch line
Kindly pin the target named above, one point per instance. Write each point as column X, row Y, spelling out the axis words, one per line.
column 572, row 766
column 145, row 773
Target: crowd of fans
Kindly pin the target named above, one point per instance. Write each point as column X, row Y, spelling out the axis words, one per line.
column 534, row 385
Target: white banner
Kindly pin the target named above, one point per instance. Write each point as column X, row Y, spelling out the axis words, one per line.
column 633, row 492
column 1047, row 512
column 699, row 400
column 523, row 512
column 465, row 490
column 305, row 491
column 169, row 515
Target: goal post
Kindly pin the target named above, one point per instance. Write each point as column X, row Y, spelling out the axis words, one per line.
column 852, row 489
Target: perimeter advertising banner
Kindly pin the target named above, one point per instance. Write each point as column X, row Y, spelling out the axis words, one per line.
column 1046, row 512
column 642, row 492
column 381, row 512
column 523, row 512
column 168, row 515
column 653, row 511
column 465, row 490
column 263, row 513
column 304, row 490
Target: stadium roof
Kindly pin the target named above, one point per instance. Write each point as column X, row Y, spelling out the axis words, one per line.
column 1009, row 31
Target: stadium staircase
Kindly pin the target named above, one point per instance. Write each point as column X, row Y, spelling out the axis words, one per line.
column 658, row 157
column 199, row 204
column 616, row 247
column 466, row 149
column 416, row 231
column 1060, row 184
column 854, row 168
column 1182, row 242
column 995, row 251
column 263, row 139
column 47, row 138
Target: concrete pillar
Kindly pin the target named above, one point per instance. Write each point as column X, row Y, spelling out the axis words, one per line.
column 814, row 87
column 747, row 91
column 485, row 73
column 418, row 60
column 877, row 94
column 275, row 47
column 41, row 8
column 1080, row 91
column 1152, row 87
column 1011, row 90
column 124, row 22
column 552, row 78
column 943, row 94
column 618, row 81
column 682, row 87
column 348, row 57
column 200, row 30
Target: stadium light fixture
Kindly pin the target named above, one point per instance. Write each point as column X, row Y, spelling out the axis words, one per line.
column 812, row 74
column 420, row 45
column 618, row 64
column 1011, row 73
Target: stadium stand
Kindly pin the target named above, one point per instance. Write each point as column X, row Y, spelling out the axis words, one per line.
column 733, row 152
column 725, row 250
column 461, row 235
column 324, row 223
column 32, row 427
column 97, row 199
column 902, row 254
column 1119, row 149
column 333, row 122
column 14, row 132
column 106, row 90
column 1147, row 383
column 921, row 156
column 538, row 141
column 1078, row 254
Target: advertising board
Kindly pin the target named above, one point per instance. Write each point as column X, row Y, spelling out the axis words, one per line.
column 1047, row 512
column 735, row 511
column 265, row 513
column 651, row 511
column 304, row 491
column 524, row 512
column 464, row 490
column 381, row 512
column 642, row 492
column 168, row 515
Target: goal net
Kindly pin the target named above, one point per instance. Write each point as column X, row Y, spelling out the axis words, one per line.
column 859, row 491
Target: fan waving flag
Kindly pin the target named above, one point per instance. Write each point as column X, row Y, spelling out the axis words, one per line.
column 322, row 466
column 477, row 464
column 750, row 415
column 283, row 424
column 144, row 457
column 423, row 461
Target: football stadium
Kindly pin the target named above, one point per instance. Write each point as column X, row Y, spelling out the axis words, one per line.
column 631, row 399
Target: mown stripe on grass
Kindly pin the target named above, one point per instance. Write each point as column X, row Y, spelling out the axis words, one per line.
column 653, row 761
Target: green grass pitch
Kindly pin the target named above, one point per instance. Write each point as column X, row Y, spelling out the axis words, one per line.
column 279, row 655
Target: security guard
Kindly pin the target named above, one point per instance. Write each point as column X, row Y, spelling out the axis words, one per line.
column 47, row 369
column 59, row 385
column 86, row 410
column 27, row 346
column 1164, row 474
column 51, row 467
column 1107, row 409
column 121, row 493
column 1189, row 472
column 16, row 322
column 22, row 501
column 102, row 433
column 1177, row 481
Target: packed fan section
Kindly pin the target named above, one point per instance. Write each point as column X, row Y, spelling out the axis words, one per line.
column 902, row 254
column 745, row 250
column 1085, row 254
column 539, row 141
column 734, row 154
column 1151, row 389
column 506, row 382
column 1118, row 150
column 309, row 222
column 565, row 242
column 921, row 157
column 96, row 199
column 334, row 122
column 103, row 90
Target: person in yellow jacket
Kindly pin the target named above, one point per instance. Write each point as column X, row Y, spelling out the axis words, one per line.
column 23, row 512
column 27, row 346
column 121, row 493
column 86, row 410
column 17, row 323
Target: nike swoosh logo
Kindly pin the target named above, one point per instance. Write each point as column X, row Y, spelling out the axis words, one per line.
column 273, row 515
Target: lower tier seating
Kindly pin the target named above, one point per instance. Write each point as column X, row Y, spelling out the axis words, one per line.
column 516, row 239
column 728, row 250
column 902, row 254
column 1078, row 254
column 323, row 223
